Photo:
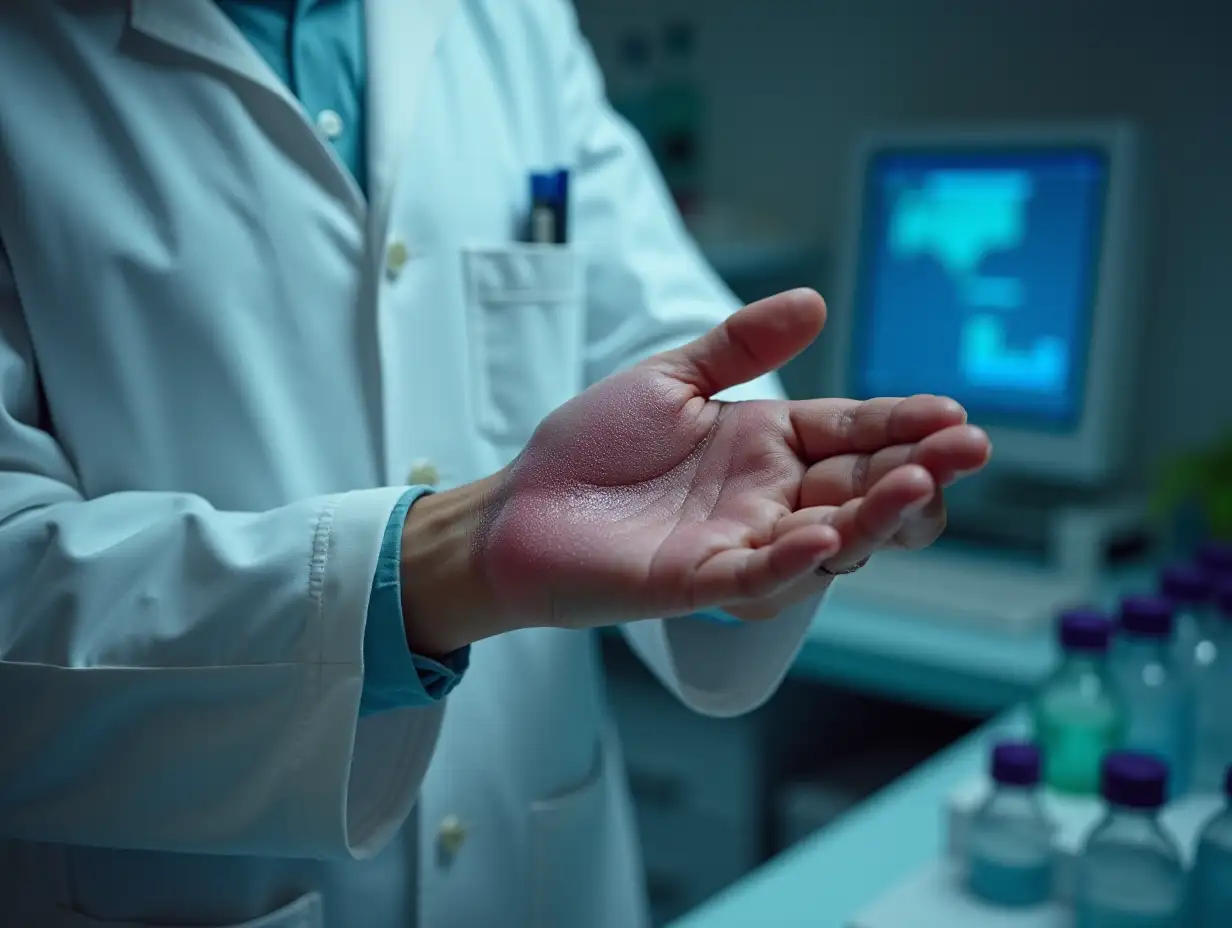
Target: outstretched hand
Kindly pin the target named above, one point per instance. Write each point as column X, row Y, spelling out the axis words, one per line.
column 644, row 496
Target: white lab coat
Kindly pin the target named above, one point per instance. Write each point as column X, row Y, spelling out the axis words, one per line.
column 217, row 366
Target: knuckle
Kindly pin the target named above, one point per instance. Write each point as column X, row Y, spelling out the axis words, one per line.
column 861, row 469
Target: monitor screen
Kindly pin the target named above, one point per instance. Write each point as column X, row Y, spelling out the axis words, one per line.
column 976, row 278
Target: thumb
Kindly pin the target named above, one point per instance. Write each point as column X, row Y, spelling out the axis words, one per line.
column 755, row 340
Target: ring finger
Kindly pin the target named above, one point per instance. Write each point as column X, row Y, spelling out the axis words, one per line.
column 870, row 522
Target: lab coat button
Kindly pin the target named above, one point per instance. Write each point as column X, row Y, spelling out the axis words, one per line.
column 451, row 834
column 396, row 257
column 423, row 473
column 329, row 124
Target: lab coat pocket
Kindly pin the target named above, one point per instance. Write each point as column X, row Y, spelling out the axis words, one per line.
column 304, row 912
column 568, row 853
column 526, row 305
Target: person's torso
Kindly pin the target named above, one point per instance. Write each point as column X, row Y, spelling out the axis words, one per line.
column 215, row 309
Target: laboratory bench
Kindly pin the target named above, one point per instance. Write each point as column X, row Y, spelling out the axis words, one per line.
column 827, row 879
column 842, row 773
column 716, row 798
column 871, row 696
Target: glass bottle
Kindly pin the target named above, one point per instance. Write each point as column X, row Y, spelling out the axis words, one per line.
column 1130, row 873
column 1210, row 883
column 1009, row 856
column 1189, row 588
column 1212, row 691
column 1077, row 715
column 1157, row 697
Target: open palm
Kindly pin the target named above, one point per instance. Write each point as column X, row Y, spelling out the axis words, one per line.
column 643, row 496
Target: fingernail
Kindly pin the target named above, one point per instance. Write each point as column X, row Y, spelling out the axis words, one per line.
column 954, row 408
column 918, row 506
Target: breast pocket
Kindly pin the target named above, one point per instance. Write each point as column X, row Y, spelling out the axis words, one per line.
column 526, row 306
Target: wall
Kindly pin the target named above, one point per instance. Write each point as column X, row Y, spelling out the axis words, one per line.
column 795, row 81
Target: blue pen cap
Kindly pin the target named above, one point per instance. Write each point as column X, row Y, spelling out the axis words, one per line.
column 550, row 187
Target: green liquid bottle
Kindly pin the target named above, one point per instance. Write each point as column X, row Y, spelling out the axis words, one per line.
column 1077, row 714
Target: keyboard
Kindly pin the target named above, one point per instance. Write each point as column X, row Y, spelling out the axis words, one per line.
column 996, row 596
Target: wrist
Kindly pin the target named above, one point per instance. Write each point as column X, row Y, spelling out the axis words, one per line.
column 447, row 602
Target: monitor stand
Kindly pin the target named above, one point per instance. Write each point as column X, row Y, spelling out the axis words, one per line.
column 1012, row 558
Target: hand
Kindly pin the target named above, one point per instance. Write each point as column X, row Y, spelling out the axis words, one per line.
column 643, row 496
column 889, row 498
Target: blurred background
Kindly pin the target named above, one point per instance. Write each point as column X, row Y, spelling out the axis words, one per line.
column 788, row 130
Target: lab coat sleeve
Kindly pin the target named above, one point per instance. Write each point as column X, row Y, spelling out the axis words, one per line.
column 650, row 289
column 177, row 678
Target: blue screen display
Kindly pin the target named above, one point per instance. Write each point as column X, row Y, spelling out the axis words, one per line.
column 977, row 279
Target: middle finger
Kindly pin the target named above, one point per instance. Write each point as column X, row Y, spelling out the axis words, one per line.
column 826, row 427
column 946, row 455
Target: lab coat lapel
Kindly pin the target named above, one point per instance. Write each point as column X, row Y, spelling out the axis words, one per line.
column 402, row 39
column 200, row 29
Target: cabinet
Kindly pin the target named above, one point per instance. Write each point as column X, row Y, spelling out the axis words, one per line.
column 703, row 789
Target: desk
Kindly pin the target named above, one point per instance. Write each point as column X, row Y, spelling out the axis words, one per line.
column 826, row 880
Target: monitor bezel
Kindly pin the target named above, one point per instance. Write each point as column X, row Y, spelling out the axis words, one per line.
column 1094, row 449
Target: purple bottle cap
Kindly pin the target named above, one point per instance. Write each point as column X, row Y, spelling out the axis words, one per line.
column 1216, row 556
column 1084, row 630
column 1223, row 595
column 1148, row 616
column 1134, row 780
column 1016, row 763
column 1186, row 584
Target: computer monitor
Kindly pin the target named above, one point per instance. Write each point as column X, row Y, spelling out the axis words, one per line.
column 999, row 266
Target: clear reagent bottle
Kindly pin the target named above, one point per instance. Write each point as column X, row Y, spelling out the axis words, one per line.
column 1157, row 696
column 1210, row 884
column 1130, row 873
column 1009, row 856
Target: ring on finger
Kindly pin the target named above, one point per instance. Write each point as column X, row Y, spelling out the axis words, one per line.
column 824, row 571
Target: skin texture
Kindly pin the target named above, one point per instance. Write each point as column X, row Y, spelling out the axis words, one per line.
column 644, row 497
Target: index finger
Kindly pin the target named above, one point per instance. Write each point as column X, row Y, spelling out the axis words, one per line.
column 826, row 427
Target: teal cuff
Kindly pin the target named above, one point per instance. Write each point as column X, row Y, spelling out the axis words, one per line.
column 718, row 617
column 394, row 677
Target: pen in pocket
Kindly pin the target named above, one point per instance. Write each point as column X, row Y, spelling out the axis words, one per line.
column 549, row 208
